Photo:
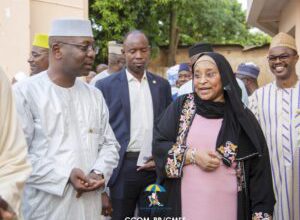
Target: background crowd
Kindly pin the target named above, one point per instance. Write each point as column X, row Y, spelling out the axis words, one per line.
column 83, row 144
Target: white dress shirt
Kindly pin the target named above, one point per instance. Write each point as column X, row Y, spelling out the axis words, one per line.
column 141, row 116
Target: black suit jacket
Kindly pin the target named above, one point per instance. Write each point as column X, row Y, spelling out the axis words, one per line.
column 116, row 93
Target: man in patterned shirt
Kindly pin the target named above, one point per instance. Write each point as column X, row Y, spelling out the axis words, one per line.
column 277, row 108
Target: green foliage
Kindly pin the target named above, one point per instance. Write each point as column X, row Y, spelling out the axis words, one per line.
column 214, row 21
column 113, row 19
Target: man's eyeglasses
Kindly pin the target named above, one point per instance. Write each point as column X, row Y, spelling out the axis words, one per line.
column 84, row 48
column 281, row 57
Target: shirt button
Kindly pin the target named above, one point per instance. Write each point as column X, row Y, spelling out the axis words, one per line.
column 90, row 130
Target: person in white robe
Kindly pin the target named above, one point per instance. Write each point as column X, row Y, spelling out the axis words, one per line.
column 277, row 108
column 14, row 166
column 71, row 144
column 116, row 62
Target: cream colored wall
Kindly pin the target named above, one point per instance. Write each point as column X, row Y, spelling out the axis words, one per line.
column 14, row 35
column 44, row 11
column 289, row 16
column 289, row 19
column 21, row 19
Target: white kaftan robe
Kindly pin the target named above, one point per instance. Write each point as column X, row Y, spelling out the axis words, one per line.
column 278, row 112
column 65, row 128
column 14, row 166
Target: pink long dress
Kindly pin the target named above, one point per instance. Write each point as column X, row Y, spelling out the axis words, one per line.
column 208, row 195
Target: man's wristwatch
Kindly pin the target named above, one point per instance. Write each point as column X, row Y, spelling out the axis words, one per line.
column 98, row 173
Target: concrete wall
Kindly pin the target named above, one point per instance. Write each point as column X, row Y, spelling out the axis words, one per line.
column 288, row 17
column 290, row 23
column 21, row 19
column 14, row 35
column 234, row 54
column 42, row 12
column 273, row 16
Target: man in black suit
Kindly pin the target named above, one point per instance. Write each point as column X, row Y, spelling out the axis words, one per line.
column 135, row 99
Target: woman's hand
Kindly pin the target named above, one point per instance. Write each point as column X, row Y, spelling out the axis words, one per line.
column 207, row 160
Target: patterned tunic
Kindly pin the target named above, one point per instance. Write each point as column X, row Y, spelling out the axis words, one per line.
column 278, row 112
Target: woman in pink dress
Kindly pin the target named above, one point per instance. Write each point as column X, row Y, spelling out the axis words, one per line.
column 210, row 152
